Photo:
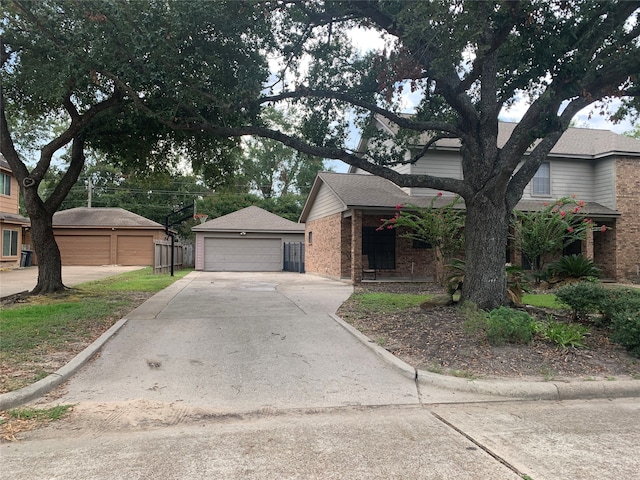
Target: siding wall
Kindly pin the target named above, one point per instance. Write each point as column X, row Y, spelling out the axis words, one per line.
column 604, row 184
column 9, row 204
column 325, row 204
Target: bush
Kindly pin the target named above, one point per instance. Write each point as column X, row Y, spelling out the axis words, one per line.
column 506, row 325
column 625, row 327
column 573, row 266
column 583, row 298
column 620, row 299
column 564, row 334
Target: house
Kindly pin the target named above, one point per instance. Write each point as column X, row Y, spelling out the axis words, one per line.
column 248, row 240
column 12, row 224
column 105, row 236
column 599, row 167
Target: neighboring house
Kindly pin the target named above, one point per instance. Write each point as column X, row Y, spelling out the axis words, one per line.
column 105, row 236
column 599, row 167
column 12, row 225
column 249, row 240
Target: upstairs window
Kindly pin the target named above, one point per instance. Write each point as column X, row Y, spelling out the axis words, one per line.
column 5, row 184
column 542, row 181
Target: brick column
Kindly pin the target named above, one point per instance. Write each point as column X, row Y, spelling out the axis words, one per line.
column 587, row 244
column 356, row 247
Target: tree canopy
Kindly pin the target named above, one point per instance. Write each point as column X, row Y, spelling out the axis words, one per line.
column 137, row 78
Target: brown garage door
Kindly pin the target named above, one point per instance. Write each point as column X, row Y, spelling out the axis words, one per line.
column 135, row 250
column 84, row 249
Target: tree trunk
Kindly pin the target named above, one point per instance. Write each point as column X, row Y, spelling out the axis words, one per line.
column 486, row 236
column 48, row 253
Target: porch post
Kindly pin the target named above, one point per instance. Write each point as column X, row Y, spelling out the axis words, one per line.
column 356, row 247
column 587, row 245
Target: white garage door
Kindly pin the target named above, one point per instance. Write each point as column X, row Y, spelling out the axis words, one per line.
column 242, row 254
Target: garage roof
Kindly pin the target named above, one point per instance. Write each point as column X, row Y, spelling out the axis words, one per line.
column 250, row 219
column 102, row 217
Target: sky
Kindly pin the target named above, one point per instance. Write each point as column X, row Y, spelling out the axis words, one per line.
column 587, row 118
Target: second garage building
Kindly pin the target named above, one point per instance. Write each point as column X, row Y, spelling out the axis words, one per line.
column 249, row 240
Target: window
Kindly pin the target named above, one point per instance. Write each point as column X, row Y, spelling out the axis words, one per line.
column 5, row 184
column 542, row 180
column 380, row 247
column 310, row 238
column 421, row 244
column 9, row 243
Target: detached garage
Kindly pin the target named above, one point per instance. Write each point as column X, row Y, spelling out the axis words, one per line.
column 249, row 240
column 105, row 236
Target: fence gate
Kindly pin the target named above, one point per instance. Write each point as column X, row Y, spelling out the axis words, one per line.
column 294, row 257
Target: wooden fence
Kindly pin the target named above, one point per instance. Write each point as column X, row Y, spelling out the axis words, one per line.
column 162, row 256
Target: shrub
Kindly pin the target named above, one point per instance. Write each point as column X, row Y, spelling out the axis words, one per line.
column 583, row 298
column 626, row 330
column 565, row 334
column 620, row 299
column 574, row 266
column 506, row 325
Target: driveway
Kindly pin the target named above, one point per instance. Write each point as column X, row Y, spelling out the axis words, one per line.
column 25, row 279
column 241, row 342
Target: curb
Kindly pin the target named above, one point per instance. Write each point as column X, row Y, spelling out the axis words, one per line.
column 41, row 387
column 504, row 388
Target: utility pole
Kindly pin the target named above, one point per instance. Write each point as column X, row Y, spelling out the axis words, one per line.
column 90, row 188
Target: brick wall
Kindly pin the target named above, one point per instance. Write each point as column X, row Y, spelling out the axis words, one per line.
column 627, row 227
column 322, row 255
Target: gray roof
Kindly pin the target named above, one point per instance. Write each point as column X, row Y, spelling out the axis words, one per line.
column 365, row 191
column 102, row 217
column 3, row 163
column 574, row 143
column 250, row 219
column 14, row 218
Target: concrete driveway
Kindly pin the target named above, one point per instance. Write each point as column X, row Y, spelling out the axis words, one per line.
column 25, row 279
column 241, row 342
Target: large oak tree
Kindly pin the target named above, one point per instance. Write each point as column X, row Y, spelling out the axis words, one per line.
column 96, row 69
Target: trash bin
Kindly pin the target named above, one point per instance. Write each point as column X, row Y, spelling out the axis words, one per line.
column 25, row 258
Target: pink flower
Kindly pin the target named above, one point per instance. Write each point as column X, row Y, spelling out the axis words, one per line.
column 581, row 203
column 379, row 229
column 563, row 214
column 545, row 204
column 576, row 210
column 399, row 206
column 603, row 228
column 392, row 220
column 439, row 194
column 570, row 229
column 390, row 227
column 588, row 220
column 555, row 209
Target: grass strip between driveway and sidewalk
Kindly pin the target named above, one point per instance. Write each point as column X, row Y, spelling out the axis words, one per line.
column 40, row 334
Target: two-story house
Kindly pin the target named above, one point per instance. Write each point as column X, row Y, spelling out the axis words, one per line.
column 343, row 211
column 12, row 223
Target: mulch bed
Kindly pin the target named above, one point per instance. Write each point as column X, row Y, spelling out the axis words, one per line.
column 434, row 340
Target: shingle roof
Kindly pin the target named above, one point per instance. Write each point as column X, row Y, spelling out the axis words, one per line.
column 369, row 191
column 3, row 163
column 575, row 142
column 363, row 190
column 102, row 217
column 250, row 219
column 14, row 218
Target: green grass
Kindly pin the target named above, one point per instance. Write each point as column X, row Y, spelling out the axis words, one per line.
column 388, row 302
column 40, row 414
column 49, row 326
column 543, row 300
column 136, row 281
